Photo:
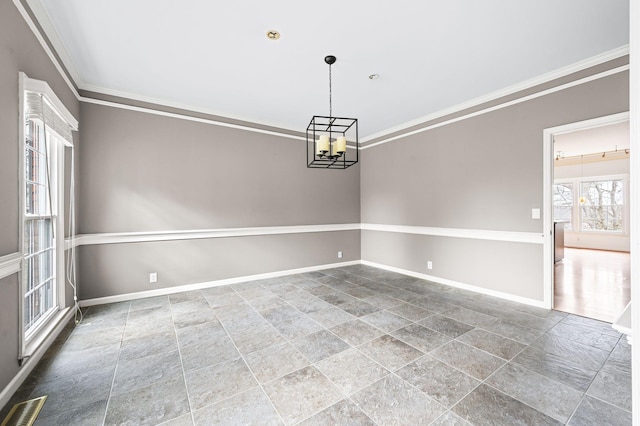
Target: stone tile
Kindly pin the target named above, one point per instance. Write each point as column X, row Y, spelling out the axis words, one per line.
column 204, row 354
column 356, row 332
column 222, row 299
column 149, row 302
column 581, row 355
column 351, row 371
column 390, row 352
column 90, row 336
column 467, row 316
column 248, row 408
column 205, row 332
column 185, row 296
column 186, row 319
column 441, row 382
column 585, row 335
column 300, row 394
column 190, row 307
column 488, row 406
column 83, row 388
column 600, row 326
column 557, row 367
column 255, row 338
column 107, row 309
column 329, row 316
column 320, row 345
column 217, row 291
column 184, row 420
column 140, row 372
column 613, row 386
column 344, row 413
column 450, row 419
column 393, row 401
column 511, row 331
column 593, row 412
column 527, row 320
column 382, row 301
column 410, row 312
column 77, row 363
column 290, row 322
column 421, row 338
column 358, row 308
column 548, row 396
column 275, row 361
column 447, row 326
column 151, row 405
column 79, row 415
column 214, row 383
column 266, row 302
column 466, row 358
column 385, row 321
column 492, row 343
column 620, row 358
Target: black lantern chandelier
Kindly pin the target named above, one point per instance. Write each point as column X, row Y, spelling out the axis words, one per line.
column 332, row 142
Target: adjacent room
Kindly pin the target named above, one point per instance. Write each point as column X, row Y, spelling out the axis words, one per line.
column 414, row 213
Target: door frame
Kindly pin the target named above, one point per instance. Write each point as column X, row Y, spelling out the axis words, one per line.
column 547, row 202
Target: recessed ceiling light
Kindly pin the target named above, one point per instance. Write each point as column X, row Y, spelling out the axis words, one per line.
column 273, row 35
column 374, row 76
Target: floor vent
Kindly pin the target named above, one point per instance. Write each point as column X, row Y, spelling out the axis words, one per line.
column 24, row 413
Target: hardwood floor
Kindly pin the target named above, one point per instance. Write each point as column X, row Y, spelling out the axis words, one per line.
column 593, row 283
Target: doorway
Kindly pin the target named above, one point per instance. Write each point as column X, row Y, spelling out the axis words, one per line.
column 587, row 217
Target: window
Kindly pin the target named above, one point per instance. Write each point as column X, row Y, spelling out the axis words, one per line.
column 563, row 203
column 602, row 209
column 40, row 212
column 45, row 132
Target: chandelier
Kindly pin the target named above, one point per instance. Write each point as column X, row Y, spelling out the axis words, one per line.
column 332, row 142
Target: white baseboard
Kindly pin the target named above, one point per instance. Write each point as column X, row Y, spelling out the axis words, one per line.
column 456, row 284
column 33, row 360
column 208, row 284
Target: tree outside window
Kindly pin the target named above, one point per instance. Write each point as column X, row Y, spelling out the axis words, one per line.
column 603, row 206
column 563, row 203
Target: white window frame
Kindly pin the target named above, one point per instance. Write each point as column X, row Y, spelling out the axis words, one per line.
column 576, row 214
column 29, row 343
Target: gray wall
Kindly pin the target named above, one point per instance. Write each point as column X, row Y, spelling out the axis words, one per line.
column 481, row 173
column 19, row 51
column 145, row 172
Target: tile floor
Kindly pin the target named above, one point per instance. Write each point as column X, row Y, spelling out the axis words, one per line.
column 347, row 346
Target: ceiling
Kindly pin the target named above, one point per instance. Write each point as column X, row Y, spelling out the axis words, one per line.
column 591, row 141
column 214, row 56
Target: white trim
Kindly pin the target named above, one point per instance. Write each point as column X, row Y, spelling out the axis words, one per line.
column 58, row 325
column 208, row 284
column 547, row 189
column 634, row 104
column 456, row 284
column 45, row 46
column 189, row 118
column 527, row 84
column 43, row 88
column 139, row 237
column 477, row 234
column 500, row 106
column 10, row 264
column 622, row 324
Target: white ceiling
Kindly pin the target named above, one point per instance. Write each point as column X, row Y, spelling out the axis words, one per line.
column 591, row 141
column 214, row 55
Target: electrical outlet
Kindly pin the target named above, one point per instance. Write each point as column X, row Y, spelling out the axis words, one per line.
column 340, row 254
column 153, row 277
column 429, row 264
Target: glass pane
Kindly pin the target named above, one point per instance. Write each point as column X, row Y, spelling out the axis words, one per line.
column 563, row 194
column 37, row 235
column 602, row 208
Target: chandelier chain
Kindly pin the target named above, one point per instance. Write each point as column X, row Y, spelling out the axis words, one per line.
column 330, row 106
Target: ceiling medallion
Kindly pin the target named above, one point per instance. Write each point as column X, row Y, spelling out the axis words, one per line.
column 327, row 137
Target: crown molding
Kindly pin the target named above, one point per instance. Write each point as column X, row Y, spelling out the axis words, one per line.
column 518, row 87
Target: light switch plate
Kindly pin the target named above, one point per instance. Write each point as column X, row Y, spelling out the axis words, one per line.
column 535, row 213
